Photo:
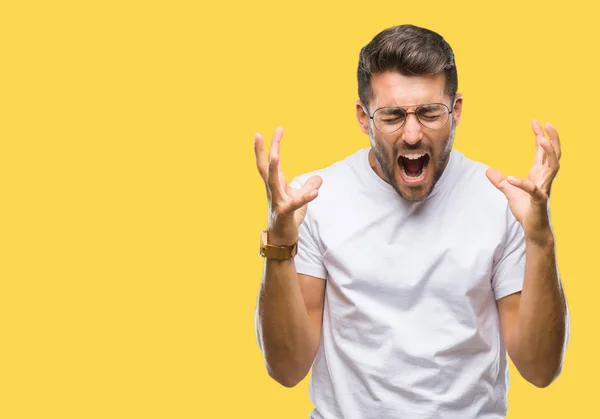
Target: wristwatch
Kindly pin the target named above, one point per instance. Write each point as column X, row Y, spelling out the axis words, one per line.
column 271, row 251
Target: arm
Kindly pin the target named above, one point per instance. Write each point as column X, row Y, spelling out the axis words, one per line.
column 535, row 321
column 290, row 306
column 288, row 322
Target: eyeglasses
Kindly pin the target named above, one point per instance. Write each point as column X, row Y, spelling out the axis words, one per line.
column 391, row 119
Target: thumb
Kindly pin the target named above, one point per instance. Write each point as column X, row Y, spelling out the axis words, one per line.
column 497, row 178
column 314, row 182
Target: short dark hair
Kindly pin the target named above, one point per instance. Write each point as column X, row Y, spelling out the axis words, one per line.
column 409, row 50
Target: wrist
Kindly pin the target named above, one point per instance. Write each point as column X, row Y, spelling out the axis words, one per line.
column 281, row 238
column 541, row 238
column 282, row 231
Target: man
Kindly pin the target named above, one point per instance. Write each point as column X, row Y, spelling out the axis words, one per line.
column 410, row 275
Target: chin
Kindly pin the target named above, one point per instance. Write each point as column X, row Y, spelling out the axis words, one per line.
column 420, row 189
column 413, row 193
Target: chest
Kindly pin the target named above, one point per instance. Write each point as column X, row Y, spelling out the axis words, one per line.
column 444, row 260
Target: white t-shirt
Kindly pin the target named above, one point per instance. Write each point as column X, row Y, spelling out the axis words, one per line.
column 410, row 324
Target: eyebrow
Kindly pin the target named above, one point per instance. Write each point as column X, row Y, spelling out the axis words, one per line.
column 392, row 110
column 429, row 106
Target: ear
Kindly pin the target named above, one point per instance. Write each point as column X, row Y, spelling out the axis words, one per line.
column 457, row 112
column 363, row 117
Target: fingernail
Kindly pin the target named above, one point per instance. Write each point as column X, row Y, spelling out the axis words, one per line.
column 511, row 179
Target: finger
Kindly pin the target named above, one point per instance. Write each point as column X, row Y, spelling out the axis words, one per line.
column 539, row 152
column 554, row 138
column 545, row 183
column 550, row 152
column 314, row 182
column 539, row 134
column 302, row 196
column 274, row 150
column 261, row 159
column 298, row 200
column 273, row 181
column 537, row 128
column 497, row 178
column 528, row 186
column 282, row 179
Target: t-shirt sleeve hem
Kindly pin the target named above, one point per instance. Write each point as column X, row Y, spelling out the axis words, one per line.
column 508, row 289
column 306, row 269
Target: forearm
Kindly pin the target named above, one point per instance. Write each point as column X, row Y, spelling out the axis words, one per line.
column 538, row 338
column 288, row 341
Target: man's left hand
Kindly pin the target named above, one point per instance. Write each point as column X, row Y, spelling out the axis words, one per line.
column 528, row 198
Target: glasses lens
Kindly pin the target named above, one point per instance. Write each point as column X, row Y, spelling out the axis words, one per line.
column 433, row 116
column 388, row 120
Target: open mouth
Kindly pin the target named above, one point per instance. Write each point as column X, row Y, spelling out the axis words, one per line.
column 413, row 167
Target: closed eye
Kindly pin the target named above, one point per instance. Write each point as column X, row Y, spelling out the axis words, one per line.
column 430, row 117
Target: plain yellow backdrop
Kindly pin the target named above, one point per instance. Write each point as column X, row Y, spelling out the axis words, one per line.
column 130, row 208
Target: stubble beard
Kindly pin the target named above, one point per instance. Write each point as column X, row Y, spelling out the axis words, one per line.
column 388, row 165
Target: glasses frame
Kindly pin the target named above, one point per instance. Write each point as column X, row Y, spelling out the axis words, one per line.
column 450, row 111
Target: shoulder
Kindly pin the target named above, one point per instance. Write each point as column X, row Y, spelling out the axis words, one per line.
column 472, row 181
column 344, row 183
column 475, row 197
column 477, row 202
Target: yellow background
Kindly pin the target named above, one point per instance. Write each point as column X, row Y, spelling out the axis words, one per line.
column 131, row 208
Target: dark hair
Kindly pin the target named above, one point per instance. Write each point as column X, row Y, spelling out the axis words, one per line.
column 409, row 50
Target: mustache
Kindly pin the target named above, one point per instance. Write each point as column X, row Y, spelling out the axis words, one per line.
column 412, row 148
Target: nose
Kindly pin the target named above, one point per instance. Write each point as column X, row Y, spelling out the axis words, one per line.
column 412, row 129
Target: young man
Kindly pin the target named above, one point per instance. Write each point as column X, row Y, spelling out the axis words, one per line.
column 414, row 270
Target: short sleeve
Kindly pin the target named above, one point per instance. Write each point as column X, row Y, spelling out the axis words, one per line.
column 309, row 260
column 508, row 272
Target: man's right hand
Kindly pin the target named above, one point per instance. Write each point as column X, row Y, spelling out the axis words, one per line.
column 287, row 206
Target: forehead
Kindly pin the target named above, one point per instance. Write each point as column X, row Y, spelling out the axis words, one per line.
column 395, row 89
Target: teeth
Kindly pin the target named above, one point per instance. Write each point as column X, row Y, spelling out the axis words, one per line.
column 413, row 156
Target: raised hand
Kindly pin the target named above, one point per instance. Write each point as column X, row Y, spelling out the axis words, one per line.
column 287, row 206
column 528, row 198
